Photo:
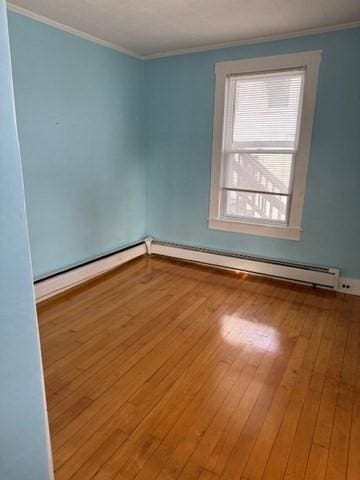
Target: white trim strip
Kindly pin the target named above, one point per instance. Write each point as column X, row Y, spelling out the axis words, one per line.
column 257, row 65
column 290, row 273
column 254, row 40
column 273, row 231
column 71, row 30
column 54, row 285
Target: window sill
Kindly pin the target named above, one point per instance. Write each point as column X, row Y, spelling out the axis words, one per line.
column 289, row 233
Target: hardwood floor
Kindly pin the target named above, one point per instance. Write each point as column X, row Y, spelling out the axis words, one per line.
column 165, row 370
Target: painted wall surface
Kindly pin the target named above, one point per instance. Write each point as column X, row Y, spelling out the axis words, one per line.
column 91, row 120
column 23, row 422
column 178, row 140
column 79, row 111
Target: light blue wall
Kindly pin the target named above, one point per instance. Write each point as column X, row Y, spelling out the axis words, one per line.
column 177, row 142
column 23, row 423
column 79, row 109
column 82, row 109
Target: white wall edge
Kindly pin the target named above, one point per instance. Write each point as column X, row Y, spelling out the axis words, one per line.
column 71, row 30
column 52, row 286
column 349, row 285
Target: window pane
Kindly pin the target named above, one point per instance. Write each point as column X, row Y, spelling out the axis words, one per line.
column 256, row 206
column 263, row 172
column 265, row 109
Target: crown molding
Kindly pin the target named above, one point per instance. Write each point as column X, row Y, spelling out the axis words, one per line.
column 71, row 30
column 183, row 51
column 254, row 40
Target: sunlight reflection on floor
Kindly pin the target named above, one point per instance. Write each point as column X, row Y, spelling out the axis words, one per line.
column 239, row 331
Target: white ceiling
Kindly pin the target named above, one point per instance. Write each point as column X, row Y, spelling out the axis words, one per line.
column 148, row 27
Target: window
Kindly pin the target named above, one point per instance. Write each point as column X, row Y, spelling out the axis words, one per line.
column 262, row 129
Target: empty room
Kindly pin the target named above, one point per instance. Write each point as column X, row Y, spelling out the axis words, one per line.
column 179, row 240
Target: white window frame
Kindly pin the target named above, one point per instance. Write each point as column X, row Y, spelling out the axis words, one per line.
column 310, row 61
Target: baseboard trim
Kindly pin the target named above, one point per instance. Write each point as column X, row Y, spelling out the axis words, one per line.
column 54, row 285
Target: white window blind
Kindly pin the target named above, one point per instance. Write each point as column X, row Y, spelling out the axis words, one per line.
column 260, row 140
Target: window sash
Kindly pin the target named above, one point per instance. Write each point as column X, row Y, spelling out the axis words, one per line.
column 225, row 166
column 309, row 61
column 230, row 105
column 260, row 150
column 247, row 190
column 277, row 147
column 262, row 220
column 259, row 220
column 252, row 219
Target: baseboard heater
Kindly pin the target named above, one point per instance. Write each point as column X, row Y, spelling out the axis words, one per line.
column 58, row 282
column 296, row 272
column 307, row 274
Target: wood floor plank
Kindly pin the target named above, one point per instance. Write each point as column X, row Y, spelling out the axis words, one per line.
column 174, row 343
column 354, row 457
column 233, row 443
column 316, row 467
column 189, row 388
column 167, row 370
column 353, row 471
column 257, row 461
column 282, row 445
column 339, row 446
column 301, row 447
column 132, row 340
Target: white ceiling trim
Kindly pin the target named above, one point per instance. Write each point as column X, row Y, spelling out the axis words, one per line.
column 73, row 31
column 214, row 46
column 254, row 40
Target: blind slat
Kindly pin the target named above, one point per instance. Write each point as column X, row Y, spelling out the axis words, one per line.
column 264, row 109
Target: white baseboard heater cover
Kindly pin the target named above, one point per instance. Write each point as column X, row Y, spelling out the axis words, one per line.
column 62, row 281
column 308, row 274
